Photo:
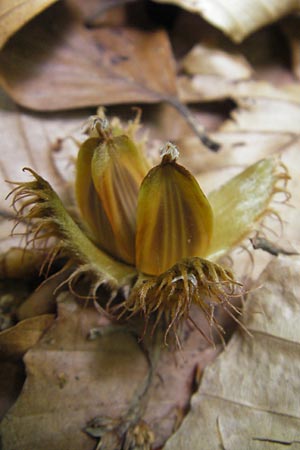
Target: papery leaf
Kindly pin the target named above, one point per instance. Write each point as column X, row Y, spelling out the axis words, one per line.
column 69, row 66
column 29, row 140
column 238, row 18
column 239, row 204
column 208, row 60
column 174, row 218
column 217, row 70
column 20, row 263
column 267, row 114
column 17, row 340
column 211, row 87
column 105, row 373
column 15, row 13
column 248, row 398
column 117, row 169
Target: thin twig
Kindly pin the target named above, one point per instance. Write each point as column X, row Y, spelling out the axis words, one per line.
column 199, row 130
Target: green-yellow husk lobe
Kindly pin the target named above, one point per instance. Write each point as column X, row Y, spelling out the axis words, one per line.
column 118, row 169
column 110, row 168
column 169, row 296
column 92, row 211
column 47, row 218
column 174, row 218
column 241, row 203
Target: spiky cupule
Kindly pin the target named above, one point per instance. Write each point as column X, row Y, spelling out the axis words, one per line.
column 38, row 205
column 168, row 298
column 280, row 193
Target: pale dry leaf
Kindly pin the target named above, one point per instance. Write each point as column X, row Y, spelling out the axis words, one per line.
column 249, row 136
column 199, row 88
column 264, row 115
column 94, row 13
column 29, row 140
column 248, row 397
column 209, row 60
column 43, row 299
column 17, row 340
column 215, row 70
column 72, row 380
column 15, row 13
column 69, row 66
column 239, row 150
column 238, row 18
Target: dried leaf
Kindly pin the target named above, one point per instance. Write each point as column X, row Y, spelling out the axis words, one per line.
column 72, row 380
column 16, row 341
column 238, row 18
column 256, row 405
column 211, row 87
column 120, row 64
column 30, row 140
column 252, row 69
column 20, row 263
column 244, row 143
column 262, row 114
column 15, row 13
column 239, row 150
column 209, row 60
column 94, row 13
column 43, row 299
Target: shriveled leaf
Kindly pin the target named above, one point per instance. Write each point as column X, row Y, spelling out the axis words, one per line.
column 256, row 405
column 15, row 13
column 72, row 379
column 66, row 362
column 30, row 140
column 238, row 18
column 262, row 114
column 212, row 61
column 215, row 69
column 239, row 150
column 94, row 13
column 211, row 87
column 20, row 263
column 43, row 299
column 120, row 64
column 16, row 341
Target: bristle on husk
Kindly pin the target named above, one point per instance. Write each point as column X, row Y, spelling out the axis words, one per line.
column 39, row 207
column 241, row 205
column 167, row 299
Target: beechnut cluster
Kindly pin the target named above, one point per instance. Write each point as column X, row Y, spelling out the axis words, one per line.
column 149, row 234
